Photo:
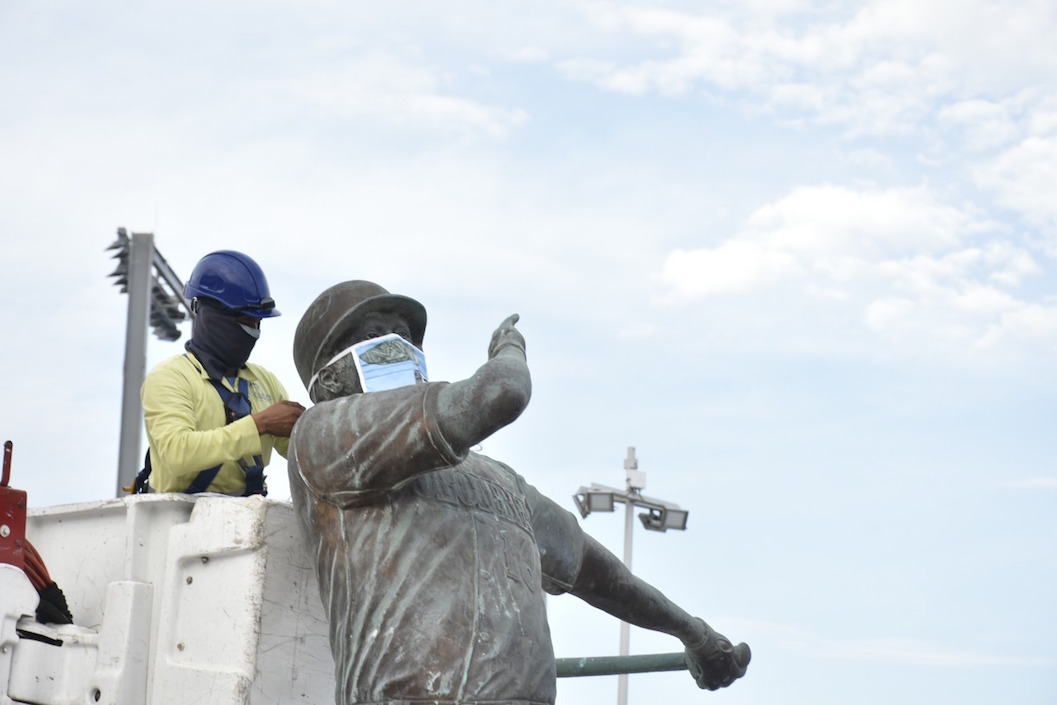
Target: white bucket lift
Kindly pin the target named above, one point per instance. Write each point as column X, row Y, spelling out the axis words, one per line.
column 176, row 599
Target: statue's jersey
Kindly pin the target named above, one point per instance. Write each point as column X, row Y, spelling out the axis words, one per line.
column 428, row 564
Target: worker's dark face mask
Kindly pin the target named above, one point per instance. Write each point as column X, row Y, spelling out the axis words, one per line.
column 220, row 341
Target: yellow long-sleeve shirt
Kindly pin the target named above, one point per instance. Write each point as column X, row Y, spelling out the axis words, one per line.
column 186, row 429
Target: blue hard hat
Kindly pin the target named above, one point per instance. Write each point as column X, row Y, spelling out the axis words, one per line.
column 233, row 280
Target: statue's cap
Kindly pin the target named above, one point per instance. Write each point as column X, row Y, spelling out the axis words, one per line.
column 337, row 310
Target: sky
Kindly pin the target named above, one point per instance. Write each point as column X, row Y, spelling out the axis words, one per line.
column 799, row 255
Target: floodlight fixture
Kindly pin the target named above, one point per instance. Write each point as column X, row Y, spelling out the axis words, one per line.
column 664, row 518
column 165, row 312
column 590, row 500
column 652, row 520
column 676, row 518
column 120, row 273
column 167, row 306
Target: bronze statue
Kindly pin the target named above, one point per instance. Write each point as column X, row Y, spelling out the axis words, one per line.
column 432, row 559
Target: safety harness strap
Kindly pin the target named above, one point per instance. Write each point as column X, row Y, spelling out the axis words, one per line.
column 236, row 406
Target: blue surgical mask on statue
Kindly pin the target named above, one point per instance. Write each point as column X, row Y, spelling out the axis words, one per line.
column 386, row 362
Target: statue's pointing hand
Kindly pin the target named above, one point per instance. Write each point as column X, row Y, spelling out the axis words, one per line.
column 506, row 336
column 716, row 663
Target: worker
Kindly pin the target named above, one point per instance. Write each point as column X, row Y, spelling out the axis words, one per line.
column 432, row 560
column 213, row 418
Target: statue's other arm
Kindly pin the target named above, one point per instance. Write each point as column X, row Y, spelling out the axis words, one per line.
column 574, row 562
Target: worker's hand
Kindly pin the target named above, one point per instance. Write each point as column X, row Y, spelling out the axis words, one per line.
column 714, row 662
column 278, row 419
column 505, row 336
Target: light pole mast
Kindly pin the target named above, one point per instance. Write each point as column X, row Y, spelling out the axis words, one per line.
column 155, row 298
column 140, row 253
column 636, row 482
column 661, row 516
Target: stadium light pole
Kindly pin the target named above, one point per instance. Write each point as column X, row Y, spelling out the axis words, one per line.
column 660, row 516
column 155, row 299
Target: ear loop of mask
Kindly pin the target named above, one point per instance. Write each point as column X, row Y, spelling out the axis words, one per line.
column 343, row 353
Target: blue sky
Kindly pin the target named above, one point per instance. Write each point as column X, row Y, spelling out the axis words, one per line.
column 800, row 255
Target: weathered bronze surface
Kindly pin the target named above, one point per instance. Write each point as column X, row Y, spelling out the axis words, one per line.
column 432, row 559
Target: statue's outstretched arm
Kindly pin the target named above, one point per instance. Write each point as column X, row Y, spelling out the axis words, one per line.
column 473, row 409
column 604, row 582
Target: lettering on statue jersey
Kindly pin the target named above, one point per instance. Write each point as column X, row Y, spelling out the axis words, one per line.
column 473, row 492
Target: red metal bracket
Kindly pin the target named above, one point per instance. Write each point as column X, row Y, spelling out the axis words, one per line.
column 12, row 518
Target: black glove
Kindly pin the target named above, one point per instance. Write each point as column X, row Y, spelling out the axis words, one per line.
column 52, row 608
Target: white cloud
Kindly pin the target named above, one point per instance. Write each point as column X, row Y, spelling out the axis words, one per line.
column 710, row 48
column 824, row 221
column 985, row 124
column 1022, row 321
column 1010, row 263
column 390, row 90
column 876, row 68
column 1039, row 482
column 530, row 55
column 892, row 315
column 901, row 261
column 832, row 235
column 1023, row 179
column 1043, row 120
column 731, row 267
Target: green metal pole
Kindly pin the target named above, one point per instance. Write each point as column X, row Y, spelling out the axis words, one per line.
column 613, row 665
